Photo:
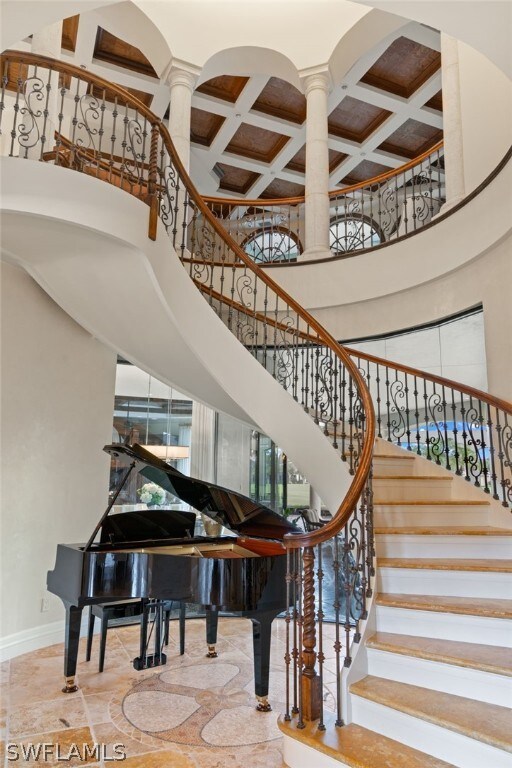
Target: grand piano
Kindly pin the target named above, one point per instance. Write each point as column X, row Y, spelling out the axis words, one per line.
column 155, row 554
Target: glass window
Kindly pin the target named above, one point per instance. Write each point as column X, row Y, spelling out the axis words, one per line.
column 352, row 234
column 272, row 245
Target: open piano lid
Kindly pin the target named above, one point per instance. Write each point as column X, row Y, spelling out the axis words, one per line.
column 233, row 510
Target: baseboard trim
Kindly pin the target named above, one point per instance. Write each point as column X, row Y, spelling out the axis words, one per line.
column 33, row 639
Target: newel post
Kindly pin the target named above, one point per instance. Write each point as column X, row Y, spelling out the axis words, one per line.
column 311, row 683
column 152, row 198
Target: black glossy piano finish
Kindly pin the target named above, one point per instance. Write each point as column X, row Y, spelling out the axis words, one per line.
column 154, row 554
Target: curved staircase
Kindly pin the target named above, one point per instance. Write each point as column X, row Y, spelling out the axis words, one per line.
column 435, row 687
column 421, row 657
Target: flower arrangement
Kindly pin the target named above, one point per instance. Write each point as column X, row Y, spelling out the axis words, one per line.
column 151, row 494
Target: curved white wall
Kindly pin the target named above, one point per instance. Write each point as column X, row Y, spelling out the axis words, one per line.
column 139, row 297
column 86, row 244
column 56, row 416
column 446, row 246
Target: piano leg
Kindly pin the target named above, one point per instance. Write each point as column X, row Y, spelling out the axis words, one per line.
column 261, row 637
column 212, row 620
column 72, row 639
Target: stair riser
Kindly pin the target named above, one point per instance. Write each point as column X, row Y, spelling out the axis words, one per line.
column 299, row 755
column 402, row 545
column 432, row 515
column 417, row 581
column 440, row 676
column 445, row 626
column 391, row 467
column 444, row 744
column 421, row 489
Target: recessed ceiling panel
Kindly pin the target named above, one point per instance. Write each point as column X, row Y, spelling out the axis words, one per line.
column 436, row 102
column 111, row 49
column 256, row 143
column 355, row 120
column 283, row 100
column 69, row 33
column 412, row 139
column 364, row 171
column 279, row 188
column 403, row 67
column 298, row 161
column 225, row 87
column 204, row 126
column 236, row 179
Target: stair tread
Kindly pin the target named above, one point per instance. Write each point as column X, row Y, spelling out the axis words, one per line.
column 446, row 564
column 447, row 530
column 439, row 478
column 434, row 502
column 488, row 723
column 486, row 658
column 472, row 606
column 405, row 457
column 360, row 747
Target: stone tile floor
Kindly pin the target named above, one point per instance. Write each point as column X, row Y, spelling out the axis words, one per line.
column 193, row 712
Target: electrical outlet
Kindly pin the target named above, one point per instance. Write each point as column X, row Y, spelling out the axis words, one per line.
column 45, row 604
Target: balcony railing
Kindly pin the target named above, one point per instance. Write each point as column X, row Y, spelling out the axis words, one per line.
column 56, row 113
column 363, row 216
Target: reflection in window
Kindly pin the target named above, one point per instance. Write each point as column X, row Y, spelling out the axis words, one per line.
column 272, row 245
column 351, row 234
column 274, row 479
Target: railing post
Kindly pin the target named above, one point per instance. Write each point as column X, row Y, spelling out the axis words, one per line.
column 152, row 198
column 311, row 683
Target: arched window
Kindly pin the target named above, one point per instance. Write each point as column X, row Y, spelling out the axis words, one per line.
column 270, row 245
column 352, row 234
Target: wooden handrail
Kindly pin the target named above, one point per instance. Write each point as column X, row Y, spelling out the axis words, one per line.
column 263, row 203
column 479, row 394
column 292, row 541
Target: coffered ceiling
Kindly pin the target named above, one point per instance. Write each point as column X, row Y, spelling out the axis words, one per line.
column 248, row 134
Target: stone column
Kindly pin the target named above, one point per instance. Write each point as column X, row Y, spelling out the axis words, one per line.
column 315, row 503
column 317, row 167
column 202, row 443
column 46, row 42
column 452, row 123
column 181, row 83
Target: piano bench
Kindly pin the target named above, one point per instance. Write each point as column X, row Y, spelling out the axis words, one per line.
column 119, row 613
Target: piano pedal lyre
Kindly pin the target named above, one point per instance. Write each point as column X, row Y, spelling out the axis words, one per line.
column 70, row 686
column 263, row 705
column 212, row 653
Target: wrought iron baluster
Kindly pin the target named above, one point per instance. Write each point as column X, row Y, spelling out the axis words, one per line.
column 456, row 454
column 464, row 437
column 337, row 624
column 287, row 620
column 320, row 654
column 446, row 445
column 378, row 401
column 388, row 404
column 492, row 453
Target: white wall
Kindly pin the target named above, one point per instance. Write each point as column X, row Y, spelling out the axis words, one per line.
column 486, row 113
column 485, row 280
column 57, row 402
column 455, row 350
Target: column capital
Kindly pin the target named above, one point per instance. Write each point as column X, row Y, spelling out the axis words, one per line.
column 180, row 73
column 318, row 79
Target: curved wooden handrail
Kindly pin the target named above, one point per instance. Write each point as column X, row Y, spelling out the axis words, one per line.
column 292, row 541
column 56, row 65
column 263, row 202
column 479, row 394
